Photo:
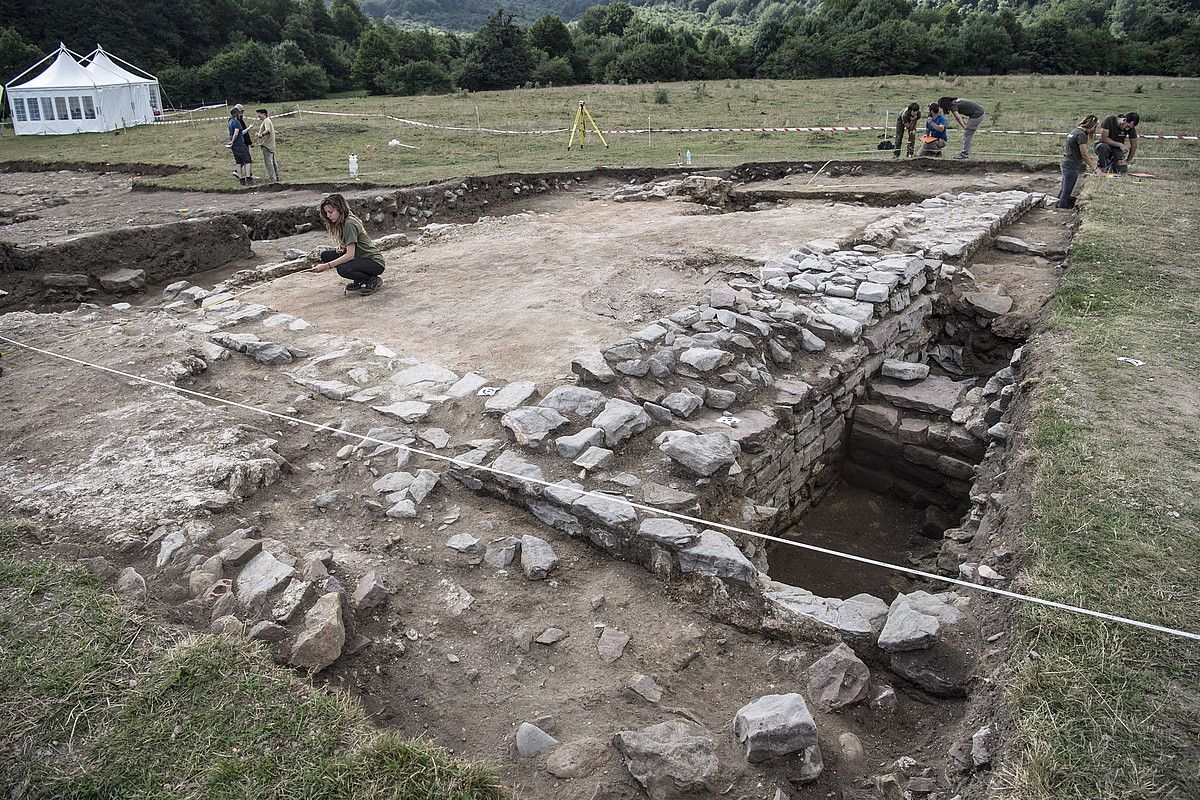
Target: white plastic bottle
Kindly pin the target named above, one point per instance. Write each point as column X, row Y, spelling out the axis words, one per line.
column 687, row 158
column 353, row 166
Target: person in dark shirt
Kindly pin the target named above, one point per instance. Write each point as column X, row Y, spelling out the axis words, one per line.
column 959, row 106
column 906, row 123
column 1118, row 142
column 239, row 143
column 935, row 137
column 1075, row 156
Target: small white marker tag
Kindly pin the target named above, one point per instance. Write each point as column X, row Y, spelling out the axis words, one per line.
column 729, row 420
column 488, row 391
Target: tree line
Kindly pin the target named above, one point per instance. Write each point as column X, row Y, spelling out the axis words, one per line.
column 275, row 50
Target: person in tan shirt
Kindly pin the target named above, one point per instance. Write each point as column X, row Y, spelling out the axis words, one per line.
column 266, row 140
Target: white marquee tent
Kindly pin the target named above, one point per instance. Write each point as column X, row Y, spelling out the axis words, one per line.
column 68, row 97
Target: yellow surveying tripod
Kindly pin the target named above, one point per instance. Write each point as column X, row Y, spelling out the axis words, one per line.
column 583, row 116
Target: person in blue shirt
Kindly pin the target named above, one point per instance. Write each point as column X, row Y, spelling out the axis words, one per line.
column 239, row 143
column 935, row 138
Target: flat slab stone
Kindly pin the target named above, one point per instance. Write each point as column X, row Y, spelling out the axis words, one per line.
column 988, row 304
column 510, row 397
column 935, row 395
column 670, row 760
column 573, row 401
column 716, row 555
column 775, row 725
column 424, row 373
column 530, row 425
column 260, row 576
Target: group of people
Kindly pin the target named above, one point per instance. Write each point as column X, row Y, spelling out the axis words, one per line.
column 967, row 113
column 241, row 139
column 1113, row 153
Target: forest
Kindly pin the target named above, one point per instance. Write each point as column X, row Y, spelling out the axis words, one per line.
column 279, row 50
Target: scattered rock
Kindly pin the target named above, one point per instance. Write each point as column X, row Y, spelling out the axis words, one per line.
column 267, row 631
column 320, row 642
column 530, row 425
column 669, row 760
column 537, row 557
column 612, row 644
column 621, row 420
column 260, row 576
column 701, row 454
column 370, row 592
column 571, row 446
column 500, row 554
column 905, row 370
column 531, row 740
column 573, row 401
column 775, row 725
column 124, row 280
column 510, row 397
column 716, row 555
column 838, row 679
column 131, row 585
column 551, row 636
column 227, row 625
column 646, row 687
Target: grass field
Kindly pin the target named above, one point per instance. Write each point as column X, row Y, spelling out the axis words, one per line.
column 96, row 701
column 315, row 148
column 1104, row 711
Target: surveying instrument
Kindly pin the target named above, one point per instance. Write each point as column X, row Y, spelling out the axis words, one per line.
column 582, row 117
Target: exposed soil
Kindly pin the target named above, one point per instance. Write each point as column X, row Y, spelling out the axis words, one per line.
column 521, row 295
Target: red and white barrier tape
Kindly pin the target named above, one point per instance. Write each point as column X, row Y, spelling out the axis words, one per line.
column 643, row 131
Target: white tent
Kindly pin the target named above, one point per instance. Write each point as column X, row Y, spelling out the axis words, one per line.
column 144, row 91
column 66, row 97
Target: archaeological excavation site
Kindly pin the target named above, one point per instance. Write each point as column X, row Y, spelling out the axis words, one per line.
column 628, row 483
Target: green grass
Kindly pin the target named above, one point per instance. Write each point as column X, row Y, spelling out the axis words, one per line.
column 96, row 701
column 1106, row 711
column 315, row 149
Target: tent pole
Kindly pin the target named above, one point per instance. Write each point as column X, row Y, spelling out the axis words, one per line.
column 31, row 69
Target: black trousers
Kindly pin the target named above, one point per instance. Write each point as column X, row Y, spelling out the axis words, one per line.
column 359, row 270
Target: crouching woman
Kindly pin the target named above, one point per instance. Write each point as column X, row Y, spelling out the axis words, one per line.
column 355, row 257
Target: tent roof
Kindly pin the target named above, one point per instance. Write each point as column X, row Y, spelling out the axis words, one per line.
column 106, row 71
column 64, row 73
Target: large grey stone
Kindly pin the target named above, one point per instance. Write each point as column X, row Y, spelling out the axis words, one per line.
column 538, row 559
column 775, row 725
column 683, row 404
column 667, row 532
column 1011, row 244
column 370, row 591
column 531, row 740
column 935, row 394
column 704, row 359
column 422, row 485
column 717, row 556
column 123, row 280
column 670, row 760
column 573, row 401
column 260, row 577
column 468, row 384
column 334, row 390
column 530, row 425
column 621, row 420
column 838, row 679
column 611, row 645
column 131, row 585
column 594, row 458
column 988, row 304
column 609, row 512
column 320, row 642
column 406, row 410
column 511, row 396
column 914, row 621
column 701, row 454
column 510, row 462
column 571, row 446
column 424, row 374
column 905, row 370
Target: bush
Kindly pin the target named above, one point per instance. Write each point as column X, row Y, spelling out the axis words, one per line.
column 416, row 77
column 303, row 82
column 554, row 72
column 661, row 97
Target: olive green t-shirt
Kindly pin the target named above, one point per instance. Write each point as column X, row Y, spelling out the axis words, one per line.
column 266, row 132
column 353, row 233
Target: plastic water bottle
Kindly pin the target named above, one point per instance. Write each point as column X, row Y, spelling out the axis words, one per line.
column 687, row 158
column 353, row 166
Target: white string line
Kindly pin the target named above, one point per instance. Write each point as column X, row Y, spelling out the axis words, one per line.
column 618, row 498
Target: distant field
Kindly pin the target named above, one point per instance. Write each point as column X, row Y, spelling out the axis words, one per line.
column 314, row 149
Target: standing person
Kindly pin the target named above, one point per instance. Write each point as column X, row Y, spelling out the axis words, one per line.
column 935, row 137
column 266, row 141
column 355, row 256
column 1074, row 158
column 238, row 144
column 958, row 107
column 907, row 123
column 1112, row 151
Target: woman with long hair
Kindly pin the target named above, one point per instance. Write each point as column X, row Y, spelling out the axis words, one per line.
column 355, row 257
column 1075, row 156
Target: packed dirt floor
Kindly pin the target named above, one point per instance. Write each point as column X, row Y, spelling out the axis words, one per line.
column 104, row 462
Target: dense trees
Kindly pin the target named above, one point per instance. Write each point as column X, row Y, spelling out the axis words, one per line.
column 270, row 50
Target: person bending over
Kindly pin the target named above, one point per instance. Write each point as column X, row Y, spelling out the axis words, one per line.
column 935, row 137
column 906, row 123
column 355, row 257
column 1118, row 142
column 1074, row 158
column 959, row 106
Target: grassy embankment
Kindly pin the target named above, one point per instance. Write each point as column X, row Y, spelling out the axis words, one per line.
column 315, row 149
column 97, row 701
column 1104, row 711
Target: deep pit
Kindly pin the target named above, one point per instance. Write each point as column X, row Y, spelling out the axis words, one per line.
column 676, row 319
